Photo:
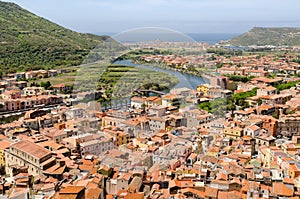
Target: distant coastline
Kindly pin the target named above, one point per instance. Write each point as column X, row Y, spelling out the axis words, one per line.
column 210, row 38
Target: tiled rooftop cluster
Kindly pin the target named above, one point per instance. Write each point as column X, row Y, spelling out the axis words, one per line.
column 160, row 146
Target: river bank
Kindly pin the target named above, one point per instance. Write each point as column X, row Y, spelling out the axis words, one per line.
column 165, row 66
column 185, row 80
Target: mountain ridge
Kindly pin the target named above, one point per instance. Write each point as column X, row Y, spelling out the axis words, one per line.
column 28, row 41
column 261, row 36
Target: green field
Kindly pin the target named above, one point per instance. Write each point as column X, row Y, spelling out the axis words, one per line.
column 114, row 80
column 118, row 80
column 67, row 78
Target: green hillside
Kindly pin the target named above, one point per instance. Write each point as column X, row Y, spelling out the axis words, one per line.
column 268, row 36
column 30, row 42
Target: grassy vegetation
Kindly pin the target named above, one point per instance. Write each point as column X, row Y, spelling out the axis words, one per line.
column 285, row 86
column 67, row 78
column 214, row 106
column 239, row 98
column 238, row 78
column 268, row 36
column 220, row 106
column 120, row 81
column 115, row 80
column 31, row 42
column 5, row 120
column 135, row 54
column 297, row 60
column 225, row 51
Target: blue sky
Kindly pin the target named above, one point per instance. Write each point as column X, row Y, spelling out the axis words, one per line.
column 187, row 16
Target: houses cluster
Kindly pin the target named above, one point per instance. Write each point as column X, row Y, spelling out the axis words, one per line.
column 82, row 151
column 259, row 66
column 36, row 74
column 160, row 44
column 250, row 65
column 282, row 107
column 17, row 95
column 160, row 147
column 179, row 62
column 27, row 98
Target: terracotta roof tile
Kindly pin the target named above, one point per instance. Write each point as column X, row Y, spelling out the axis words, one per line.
column 31, row 148
column 211, row 192
column 281, row 189
column 93, row 193
column 72, row 189
column 4, row 144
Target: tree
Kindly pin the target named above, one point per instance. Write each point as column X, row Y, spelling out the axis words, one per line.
column 219, row 65
column 231, row 106
column 259, row 101
column 240, row 98
column 46, row 84
column 144, row 107
column 232, row 86
column 34, row 84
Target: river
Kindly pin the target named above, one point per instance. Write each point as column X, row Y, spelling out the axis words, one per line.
column 185, row 80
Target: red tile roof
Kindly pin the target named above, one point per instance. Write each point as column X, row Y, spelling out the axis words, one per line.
column 4, row 144
column 281, row 189
column 72, row 189
column 211, row 192
column 32, row 149
column 93, row 193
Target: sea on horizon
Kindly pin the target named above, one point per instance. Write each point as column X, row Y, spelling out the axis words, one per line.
column 210, row 38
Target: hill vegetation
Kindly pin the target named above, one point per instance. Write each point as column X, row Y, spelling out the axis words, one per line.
column 31, row 42
column 268, row 36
